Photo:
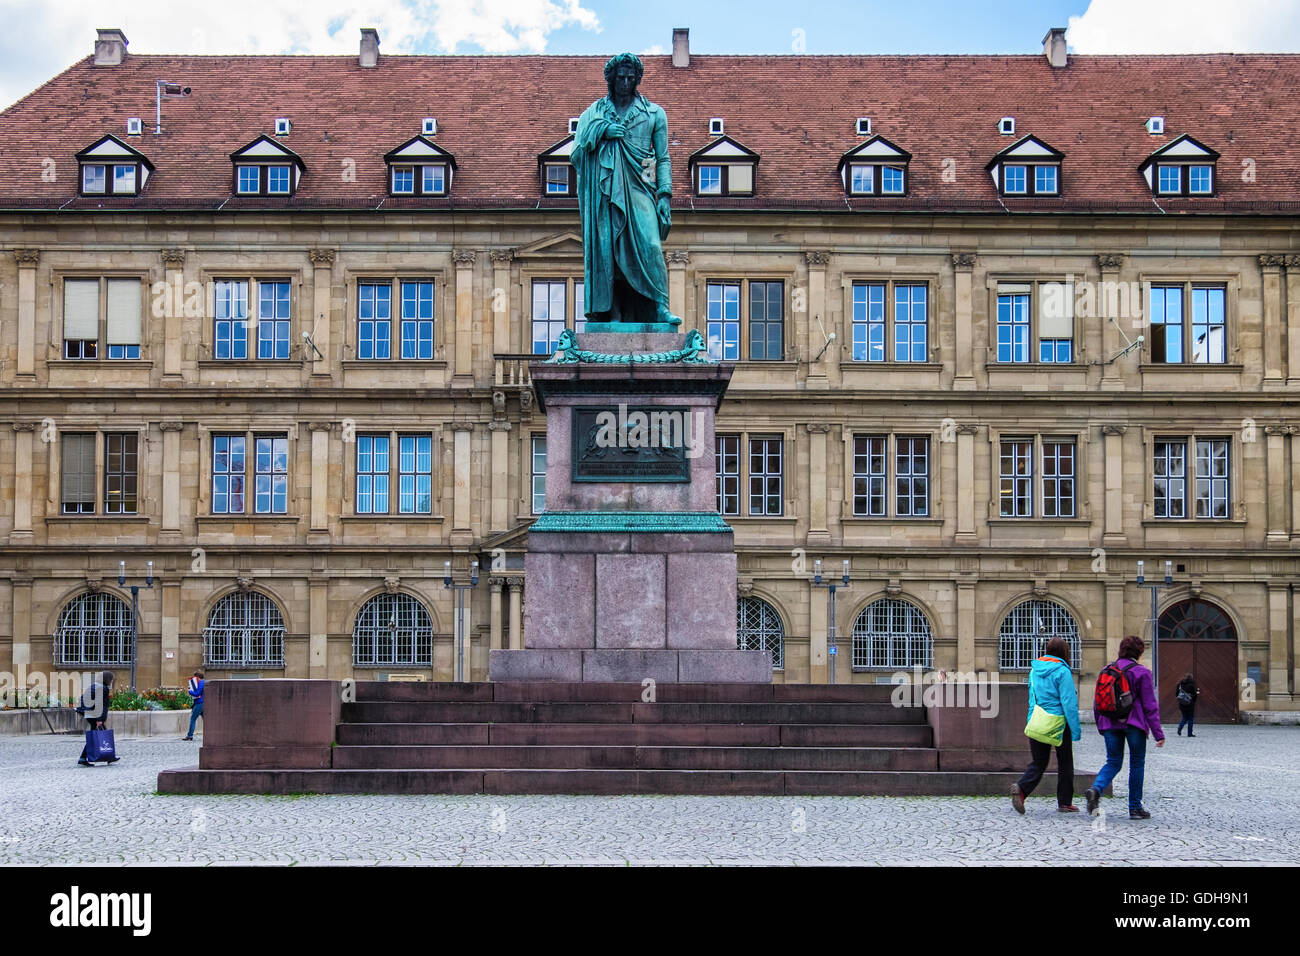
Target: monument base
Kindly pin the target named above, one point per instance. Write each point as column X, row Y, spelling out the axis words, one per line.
column 632, row 665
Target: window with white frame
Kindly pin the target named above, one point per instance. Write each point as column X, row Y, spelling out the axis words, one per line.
column 410, row 471
column 756, row 305
column 372, row 474
column 1052, row 483
column 537, row 473
column 1016, row 478
column 1211, row 485
column 759, row 628
column 415, row 474
column 560, row 179
column 392, row 630
column 110, row 179
column 374, row 320
column 727, row 473
column 1188, row 324
column 1025, row 631
column 892, row 634
column 1034, row 322
column 245, row 629
column 755, row 462
column 766, row 469
column 1183, row 179
column 417, row 319
column 230, row 472
column 118, row 481
column 874, row 469
column 264, row 179
column 95, row 630
column 102, row 317
column 551, row 314
column 230, row 319
column 896, row 332
column 232, row 325
column 272, row 320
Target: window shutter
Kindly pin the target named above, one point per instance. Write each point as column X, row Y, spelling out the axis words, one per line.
column 1055, row 311
column 79, row 469
column 123, row 311
column 81, row 309
column 740, row 178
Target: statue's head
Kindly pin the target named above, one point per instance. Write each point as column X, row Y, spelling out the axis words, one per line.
column 623, row 74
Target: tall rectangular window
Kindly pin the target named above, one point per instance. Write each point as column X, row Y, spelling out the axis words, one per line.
column 374, row 320
column 230, row 334
column 912, row 477
column 869, row 475
column 1208, row 327
column 557, row 179
column 271, row 491
column 1016, row 478
column 372, row 474
column 1166, row 323
column 727, row 459
column 765, row 456
column 417, row 320
column 1212, row 499
column 1169, row 471
column 766, row 304
column 868, row 321
column 80, row 318
column 228, row 474
column 548, row 314
column 124, row 309
column 579, row 307
column 120, row 474
column 537, row 471
column 273, row 320
column 723, row 321
column 1058, row 479
column 78, row 465
column 1013, row 327
column 415, row 479
column 909, row 323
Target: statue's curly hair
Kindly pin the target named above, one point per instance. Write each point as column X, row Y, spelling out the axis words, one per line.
column 614, row 62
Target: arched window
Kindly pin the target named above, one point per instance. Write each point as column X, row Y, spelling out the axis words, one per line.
column 1027, row 629
column 245, row 629
column 893, row 634
column 1196, row 620
column 95, row 630
column 758, row 628
column 393, row 629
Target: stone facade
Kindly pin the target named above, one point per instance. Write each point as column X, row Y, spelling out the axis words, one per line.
column 962, row 566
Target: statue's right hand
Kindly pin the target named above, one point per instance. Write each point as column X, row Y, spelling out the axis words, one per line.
column 615, row 131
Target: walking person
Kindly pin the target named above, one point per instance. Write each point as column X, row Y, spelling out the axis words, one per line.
column 94, row 708
column 1126, row 712
column 195, row 690
column 1053, row 721
column 1187, row 693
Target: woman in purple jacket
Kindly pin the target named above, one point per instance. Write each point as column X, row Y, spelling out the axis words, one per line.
column 1144, row 718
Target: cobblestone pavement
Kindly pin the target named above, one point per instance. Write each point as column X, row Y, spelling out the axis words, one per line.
column 1232, row 795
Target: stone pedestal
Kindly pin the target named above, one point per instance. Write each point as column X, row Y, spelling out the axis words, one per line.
column 631, row 572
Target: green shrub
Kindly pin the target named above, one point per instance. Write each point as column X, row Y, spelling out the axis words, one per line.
column 156, row 699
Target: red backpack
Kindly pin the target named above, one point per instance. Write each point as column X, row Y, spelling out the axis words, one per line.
column 1113, row 697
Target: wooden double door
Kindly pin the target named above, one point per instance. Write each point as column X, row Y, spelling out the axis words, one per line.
column 1197, row 637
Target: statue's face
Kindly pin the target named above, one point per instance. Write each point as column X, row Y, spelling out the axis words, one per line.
column 624, row 81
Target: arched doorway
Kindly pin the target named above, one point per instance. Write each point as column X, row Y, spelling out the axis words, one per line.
column 1197, row 637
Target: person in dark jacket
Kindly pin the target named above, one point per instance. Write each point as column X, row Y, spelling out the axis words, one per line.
column 195, row 690
column 94, row 708
column 1144, row 718
column 1051, row 687
column 1187, row 693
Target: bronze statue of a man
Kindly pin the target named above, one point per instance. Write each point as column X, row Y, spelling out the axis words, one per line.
column 625, row 180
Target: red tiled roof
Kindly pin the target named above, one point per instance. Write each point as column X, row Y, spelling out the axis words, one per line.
column 496, row 113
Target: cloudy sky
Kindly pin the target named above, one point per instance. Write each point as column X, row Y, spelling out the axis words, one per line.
column 40, row 38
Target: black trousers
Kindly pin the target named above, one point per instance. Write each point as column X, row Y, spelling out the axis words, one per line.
column 1040, row 753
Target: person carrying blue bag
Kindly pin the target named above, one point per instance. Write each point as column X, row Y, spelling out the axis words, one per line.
column 195, row 690
column 1053, row 721
column 94, row 708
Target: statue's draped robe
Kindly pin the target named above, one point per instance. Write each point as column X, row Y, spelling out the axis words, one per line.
column 619, row 181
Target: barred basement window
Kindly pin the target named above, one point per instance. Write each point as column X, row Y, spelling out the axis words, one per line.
column 1027, row 629
column 245, row 629
column 892, row 634
column 393, row 629
column 95, row 630
column 758, row 628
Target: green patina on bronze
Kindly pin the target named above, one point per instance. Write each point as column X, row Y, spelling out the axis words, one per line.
column 640, row 522
column 694, row 352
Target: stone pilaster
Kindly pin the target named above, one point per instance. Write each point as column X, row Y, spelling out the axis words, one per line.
column 818, row 533
column 495, row 587
column 678, row 260
column 813, row 318
column 27, row 260
column 1293, row 319
column 1109, row 264
column 501, row 259
column 1270, row 267
column 318, row 622
column 171, row 477
column 461, row 488
column 819, row 665
column 170, row 633
column 516, row 587
column 320, row 461
column 322, row 261
column 1113, row 522
column 1278, row 488
column 963, row 265
column 964, row 493
column 21, row 533
column 1114, row 619
column 464, row 339
column 500, row 431
column 22, row 625
column 966, row 662
column 1279, row 641
column 173, row 261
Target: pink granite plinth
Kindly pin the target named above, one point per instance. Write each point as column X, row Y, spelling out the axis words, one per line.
column 560, row 600
column 617, row 343
column 289, row 723
column 630, row 596
column 695, row 623
column 548, row 664
column 729, row 666
column 632, row 665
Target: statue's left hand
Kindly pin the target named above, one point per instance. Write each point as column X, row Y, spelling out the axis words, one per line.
column 665, row 211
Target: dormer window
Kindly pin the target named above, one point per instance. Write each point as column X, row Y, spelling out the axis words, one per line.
column 266, row 168
column 110, row 167
column 724, row 168
column 419, row 167
column 1028, row 167
column 1184, row 167
column 556, row 175
column 875, row 168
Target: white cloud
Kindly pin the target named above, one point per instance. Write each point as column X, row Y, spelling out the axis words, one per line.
column 1186, row 26
column 42, row 38
column 657, row 50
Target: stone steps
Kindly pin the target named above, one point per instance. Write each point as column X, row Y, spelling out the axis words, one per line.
column 520, row 712
column 616, row 692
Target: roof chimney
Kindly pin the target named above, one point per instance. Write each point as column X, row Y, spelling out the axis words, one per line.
column 681, row 46
column 369, row 47
column 1054, row 47
column 110, row 47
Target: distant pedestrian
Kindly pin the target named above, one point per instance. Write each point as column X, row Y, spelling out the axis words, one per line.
column 1187, row 693
column 93, row 706
column 195, row 690
column 1053, row 721
column 1126, row 711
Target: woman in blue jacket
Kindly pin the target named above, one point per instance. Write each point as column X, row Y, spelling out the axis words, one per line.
column 1051, row 687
